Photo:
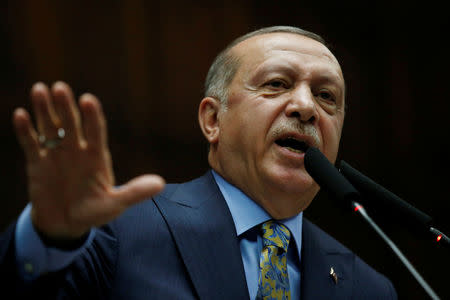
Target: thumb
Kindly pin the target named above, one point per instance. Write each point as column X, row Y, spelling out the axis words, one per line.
column 139, row 188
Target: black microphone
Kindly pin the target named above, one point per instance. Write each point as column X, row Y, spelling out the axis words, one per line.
column 328, row 177
column 384, row 197
column 390, row 204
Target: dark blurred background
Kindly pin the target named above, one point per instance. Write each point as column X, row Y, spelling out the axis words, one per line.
column 147, row 61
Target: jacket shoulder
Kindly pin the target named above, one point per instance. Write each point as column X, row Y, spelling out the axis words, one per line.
column 366, row 282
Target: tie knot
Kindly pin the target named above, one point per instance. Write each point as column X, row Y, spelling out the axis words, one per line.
column 275, row 234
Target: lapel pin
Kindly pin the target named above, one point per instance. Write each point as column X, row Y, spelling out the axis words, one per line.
column 333, row 275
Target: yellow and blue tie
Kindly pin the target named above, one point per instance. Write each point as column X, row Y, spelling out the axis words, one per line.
column 273, row 280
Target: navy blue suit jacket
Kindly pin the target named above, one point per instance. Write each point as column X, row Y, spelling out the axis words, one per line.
column 182, row 244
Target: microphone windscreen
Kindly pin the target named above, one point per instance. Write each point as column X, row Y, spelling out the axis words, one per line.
column 382, row 198
column 327, row 176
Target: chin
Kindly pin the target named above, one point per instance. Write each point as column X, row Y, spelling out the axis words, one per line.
column 292, row 181
column 293, row 192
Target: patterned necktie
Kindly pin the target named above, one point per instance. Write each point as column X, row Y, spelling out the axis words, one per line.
column 273, row 280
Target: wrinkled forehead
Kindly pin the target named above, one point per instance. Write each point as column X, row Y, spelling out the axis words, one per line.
column 260, row 48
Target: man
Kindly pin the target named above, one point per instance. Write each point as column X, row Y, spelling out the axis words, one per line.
column 235, row 233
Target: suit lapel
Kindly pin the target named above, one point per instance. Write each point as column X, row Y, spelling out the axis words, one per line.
column 204, row 232
column 320, row 253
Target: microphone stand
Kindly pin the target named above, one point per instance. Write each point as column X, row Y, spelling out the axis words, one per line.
column 362, row 212
column 383, row 197
column 327, row 176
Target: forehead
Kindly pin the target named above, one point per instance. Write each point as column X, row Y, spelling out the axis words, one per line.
column 285, row 48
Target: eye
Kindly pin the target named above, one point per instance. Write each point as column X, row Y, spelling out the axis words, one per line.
column 325, row 95
column 276, row 84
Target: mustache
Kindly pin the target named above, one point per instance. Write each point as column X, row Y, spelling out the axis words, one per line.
column 295, row 126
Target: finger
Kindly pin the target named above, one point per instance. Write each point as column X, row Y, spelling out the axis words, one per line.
column 94, row 123
column 138, row 189
column 65, row 107
column 47, row 122
column 26, row 134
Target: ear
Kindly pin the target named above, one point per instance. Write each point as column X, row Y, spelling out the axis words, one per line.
column 208, row 112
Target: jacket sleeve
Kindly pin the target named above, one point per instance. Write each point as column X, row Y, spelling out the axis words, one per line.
column 89, row 276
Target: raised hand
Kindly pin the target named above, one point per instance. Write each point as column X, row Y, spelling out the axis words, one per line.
column 69, row 170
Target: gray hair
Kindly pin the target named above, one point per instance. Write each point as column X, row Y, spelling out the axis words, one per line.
column 225, row 65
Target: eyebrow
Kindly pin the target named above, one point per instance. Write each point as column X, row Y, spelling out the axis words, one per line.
column 323, row 76
column 277, row 68
column 327, row 77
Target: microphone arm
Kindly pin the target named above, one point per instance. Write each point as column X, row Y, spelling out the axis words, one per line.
column 388, row 200
column 330, row 179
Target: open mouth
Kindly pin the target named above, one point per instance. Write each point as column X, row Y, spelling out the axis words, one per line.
column 292, row 145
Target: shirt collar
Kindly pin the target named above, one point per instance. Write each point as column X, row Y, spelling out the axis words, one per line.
column 247, row 214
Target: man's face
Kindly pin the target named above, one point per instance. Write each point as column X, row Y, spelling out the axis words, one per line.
column 288, row 90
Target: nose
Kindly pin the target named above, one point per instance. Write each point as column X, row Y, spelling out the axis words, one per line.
column 302, row 105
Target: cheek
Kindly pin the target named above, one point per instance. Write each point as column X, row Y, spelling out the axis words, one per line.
column 253, row 115
column 331, row 129
column 236, row 129
column 248, row 121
